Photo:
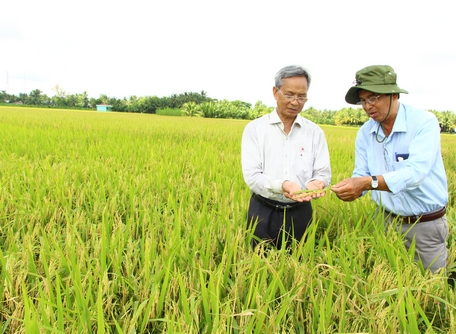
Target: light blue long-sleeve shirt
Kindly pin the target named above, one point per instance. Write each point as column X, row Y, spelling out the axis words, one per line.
column 270, row 156
column 410, row 161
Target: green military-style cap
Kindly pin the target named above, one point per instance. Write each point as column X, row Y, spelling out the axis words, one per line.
column 379, row 79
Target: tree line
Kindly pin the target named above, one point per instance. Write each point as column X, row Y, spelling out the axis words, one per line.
column 196, row 104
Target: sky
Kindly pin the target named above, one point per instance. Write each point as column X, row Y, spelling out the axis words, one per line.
column 231, row 49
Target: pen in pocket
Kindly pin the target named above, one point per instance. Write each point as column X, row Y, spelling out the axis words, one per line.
column 401, row 156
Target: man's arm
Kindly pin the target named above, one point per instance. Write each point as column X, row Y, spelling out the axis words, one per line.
column 350, row 189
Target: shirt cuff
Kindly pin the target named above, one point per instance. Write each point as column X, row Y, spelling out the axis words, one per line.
column 394, row 181
column 277, row 186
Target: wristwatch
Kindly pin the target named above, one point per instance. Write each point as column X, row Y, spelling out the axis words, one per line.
column 374, row 183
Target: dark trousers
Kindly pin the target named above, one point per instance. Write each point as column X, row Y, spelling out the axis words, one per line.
column 278, row 226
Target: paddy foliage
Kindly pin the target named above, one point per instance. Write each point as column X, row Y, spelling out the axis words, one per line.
column 135, row 223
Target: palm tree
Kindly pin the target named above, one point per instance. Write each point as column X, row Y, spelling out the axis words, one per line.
column 191, row 109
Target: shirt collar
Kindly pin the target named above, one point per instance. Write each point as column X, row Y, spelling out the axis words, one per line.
column 400, row 124
column 274, row 118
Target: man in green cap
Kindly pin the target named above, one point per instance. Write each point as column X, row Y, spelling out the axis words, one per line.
column 398, row 157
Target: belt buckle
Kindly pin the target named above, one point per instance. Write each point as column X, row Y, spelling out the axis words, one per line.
column 286, row 207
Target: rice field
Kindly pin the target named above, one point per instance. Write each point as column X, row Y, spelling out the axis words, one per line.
column 135, row 223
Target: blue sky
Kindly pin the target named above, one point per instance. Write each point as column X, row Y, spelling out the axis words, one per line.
column 230, row 49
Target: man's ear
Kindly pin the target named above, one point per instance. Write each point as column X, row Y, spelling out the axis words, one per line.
column 275, row 91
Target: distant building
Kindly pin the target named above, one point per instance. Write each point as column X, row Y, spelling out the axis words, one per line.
column 104, row 107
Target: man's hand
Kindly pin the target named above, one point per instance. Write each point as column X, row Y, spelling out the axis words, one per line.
column 290, row 189
column 350, row 189
column 315, row 185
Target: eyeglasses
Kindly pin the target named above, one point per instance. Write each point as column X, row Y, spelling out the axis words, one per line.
column 372, row 100
column 291, row 98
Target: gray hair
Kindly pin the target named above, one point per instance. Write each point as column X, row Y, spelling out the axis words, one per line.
column 289, row 72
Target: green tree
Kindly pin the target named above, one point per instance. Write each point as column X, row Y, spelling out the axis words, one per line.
column 208, row 109
column 71, row 100
column 259, row 110
column 133, row 104
column 104, row 99
column 447, row 120
column 7, row 98
column 82, row 100
column 93, row 102
column 351, row 116
column 312, row 114
column 36, row 98
column 191, row 109
column 59, row 98
column 117, row 104
column 149, row 104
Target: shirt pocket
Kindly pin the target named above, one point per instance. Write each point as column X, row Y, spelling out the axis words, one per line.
column 400, row 160
column 397, row 165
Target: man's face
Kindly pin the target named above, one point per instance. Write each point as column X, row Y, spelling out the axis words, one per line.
column 375, row 105
column 292, row 87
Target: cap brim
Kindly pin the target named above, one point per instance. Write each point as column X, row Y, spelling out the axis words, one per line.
column 352, row 95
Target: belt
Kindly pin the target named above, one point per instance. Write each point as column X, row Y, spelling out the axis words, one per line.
column 277, row 206
column 426, row 217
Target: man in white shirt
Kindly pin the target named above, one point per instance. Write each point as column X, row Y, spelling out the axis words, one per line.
column 283, row 153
